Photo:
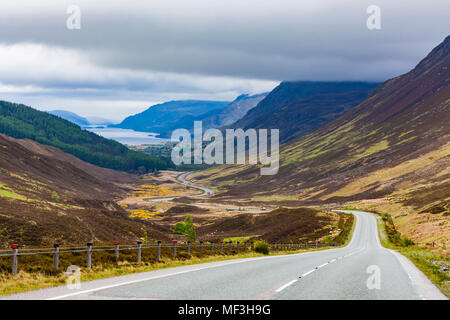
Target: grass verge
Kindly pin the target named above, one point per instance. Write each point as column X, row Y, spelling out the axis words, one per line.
column 430, row 263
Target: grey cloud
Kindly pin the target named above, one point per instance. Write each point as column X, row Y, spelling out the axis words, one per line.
column 274, row 40
column 147, row 49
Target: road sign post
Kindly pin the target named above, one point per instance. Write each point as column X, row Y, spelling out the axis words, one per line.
column 174, row 248
column 116, row 252
column 15, row 249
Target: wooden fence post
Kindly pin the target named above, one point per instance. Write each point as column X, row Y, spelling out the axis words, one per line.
column 56, row 256
column 139, row 251
column 89, row 256
column 158, row 254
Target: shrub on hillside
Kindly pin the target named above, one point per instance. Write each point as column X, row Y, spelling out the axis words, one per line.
column 261, row 247
column 406, row 242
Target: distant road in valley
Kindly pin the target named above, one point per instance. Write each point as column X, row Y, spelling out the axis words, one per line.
column 206, row 191
column 361, row 270
column 182, row 179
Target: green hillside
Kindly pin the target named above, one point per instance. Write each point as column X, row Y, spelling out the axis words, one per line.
column 23, row 122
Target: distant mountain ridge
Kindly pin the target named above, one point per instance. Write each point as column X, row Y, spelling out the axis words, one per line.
column 300, row 107
column 71, row 116
column 234, row 111
column 168, row 116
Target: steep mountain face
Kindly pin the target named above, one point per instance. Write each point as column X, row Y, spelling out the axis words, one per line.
column 298, row 108
column 48, row 195
column 20, row 121
column 166, row 117
column 233, row 112
column 70, row 116
column 394, row 147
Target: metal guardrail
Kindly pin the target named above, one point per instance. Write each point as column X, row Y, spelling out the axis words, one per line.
column 56, row 251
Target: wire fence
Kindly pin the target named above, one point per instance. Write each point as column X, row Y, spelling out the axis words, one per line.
column 139, row 252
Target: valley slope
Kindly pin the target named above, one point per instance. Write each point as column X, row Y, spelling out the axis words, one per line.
column 300, row 107
column 391, row 152
column 47, row 195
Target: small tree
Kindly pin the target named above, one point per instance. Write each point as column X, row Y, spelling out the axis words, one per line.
column 186, row 228
column 145, row 237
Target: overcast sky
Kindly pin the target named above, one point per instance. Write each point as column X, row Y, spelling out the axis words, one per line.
column 131, row 54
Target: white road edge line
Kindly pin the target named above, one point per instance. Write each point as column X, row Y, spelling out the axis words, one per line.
column 322, row 265
column 285, row 286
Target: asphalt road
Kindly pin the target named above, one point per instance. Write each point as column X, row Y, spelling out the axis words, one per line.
column 182, row 179
column 351, row 272
column 206, row 191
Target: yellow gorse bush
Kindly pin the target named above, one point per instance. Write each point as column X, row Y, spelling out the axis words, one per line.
column 152, row 191
column 144, row 214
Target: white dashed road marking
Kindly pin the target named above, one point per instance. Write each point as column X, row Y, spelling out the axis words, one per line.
column 285, row 286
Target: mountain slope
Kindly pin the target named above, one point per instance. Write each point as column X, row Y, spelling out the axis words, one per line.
column 300, row 107
column 20, row 121
column 70, row 116
column 233, row 112
column 44, row 198
column 165, row 117
column 394, row 147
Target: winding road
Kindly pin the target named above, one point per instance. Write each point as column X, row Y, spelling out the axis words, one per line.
column 361, row 270
column 206, row 191
column 182, row 179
